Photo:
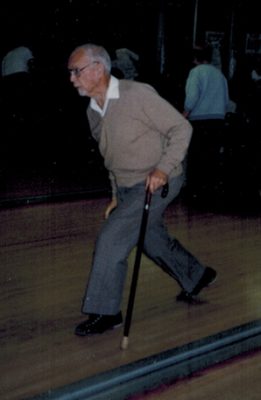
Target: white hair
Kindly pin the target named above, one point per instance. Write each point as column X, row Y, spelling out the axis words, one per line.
column 97, row 53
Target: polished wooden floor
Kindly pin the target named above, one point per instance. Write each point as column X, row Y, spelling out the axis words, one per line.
column 46, row 253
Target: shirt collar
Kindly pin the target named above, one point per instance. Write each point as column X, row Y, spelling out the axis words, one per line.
column 112, row 93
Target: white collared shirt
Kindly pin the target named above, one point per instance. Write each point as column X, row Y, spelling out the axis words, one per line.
column 112, row 93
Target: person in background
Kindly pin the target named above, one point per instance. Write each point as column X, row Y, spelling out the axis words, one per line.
column 126, row 62
column 16, row 80
column 18, row 101
column 205, row 106
column 16, row 61
column 143, row 141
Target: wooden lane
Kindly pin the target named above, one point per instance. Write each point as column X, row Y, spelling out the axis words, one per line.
column 46, row 251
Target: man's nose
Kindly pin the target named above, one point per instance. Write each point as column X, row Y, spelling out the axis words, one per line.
column 71, row 76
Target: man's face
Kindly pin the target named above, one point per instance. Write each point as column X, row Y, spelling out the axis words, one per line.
column 83, row 73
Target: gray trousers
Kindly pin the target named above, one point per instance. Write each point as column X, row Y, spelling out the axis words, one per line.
column 119, row 235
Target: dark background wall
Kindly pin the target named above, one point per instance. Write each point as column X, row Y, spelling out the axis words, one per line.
column 53, row 129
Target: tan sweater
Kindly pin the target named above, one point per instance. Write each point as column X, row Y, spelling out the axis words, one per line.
column 139, row 132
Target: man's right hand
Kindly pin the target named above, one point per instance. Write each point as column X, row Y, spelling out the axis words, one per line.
column 111, row 207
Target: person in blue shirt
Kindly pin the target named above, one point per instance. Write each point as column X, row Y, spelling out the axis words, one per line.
column 205, row 105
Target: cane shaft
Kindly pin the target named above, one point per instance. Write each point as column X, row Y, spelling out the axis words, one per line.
column 125, row 339
column 137, row 264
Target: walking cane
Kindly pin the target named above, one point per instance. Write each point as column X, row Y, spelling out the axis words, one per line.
column 125, row 339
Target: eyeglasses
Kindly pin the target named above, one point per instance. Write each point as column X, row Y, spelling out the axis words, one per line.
column 77, row 71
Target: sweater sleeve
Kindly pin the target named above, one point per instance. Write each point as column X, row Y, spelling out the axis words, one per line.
column 174, row 129
column 113, row 185
column 192, row 90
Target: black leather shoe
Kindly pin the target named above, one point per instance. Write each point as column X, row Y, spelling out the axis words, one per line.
column 185, row 297
column 207, row 279
column 98, row 323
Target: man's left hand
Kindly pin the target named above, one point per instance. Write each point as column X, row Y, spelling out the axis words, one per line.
column 156, row 179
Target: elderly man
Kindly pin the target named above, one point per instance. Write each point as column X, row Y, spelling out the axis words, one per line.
column 143, row 141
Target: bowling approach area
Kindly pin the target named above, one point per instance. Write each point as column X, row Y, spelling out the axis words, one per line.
column 46, row 252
